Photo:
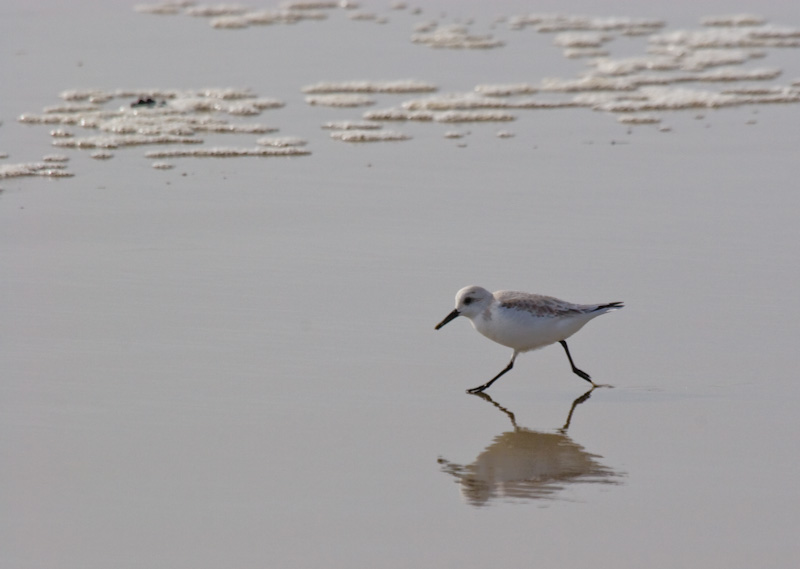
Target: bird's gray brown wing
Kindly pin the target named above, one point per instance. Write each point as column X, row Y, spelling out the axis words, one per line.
column 538, row 304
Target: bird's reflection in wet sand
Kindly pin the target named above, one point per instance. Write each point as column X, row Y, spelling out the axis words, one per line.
column 528, row 465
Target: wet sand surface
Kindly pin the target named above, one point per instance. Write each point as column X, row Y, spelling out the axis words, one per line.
column 226, row 243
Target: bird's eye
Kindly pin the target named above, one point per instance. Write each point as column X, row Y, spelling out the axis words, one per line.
column 468, row 300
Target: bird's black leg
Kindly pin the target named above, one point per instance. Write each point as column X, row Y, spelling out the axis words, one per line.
column 486, row 385
column 580, row 373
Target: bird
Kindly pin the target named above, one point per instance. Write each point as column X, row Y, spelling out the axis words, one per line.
column 524, row 321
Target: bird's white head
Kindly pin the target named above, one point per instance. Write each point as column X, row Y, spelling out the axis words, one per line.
column 470, row 301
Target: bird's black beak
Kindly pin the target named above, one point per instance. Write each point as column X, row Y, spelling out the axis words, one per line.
column 448, row 318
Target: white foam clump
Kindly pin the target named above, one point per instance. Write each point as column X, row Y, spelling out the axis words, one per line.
column 181, row 125
column 702, row 59
column 472, row 101
column 55, row 158
column 581, row 39
column 317, row 5
column 473, row 116
column 151, row 126
column 780, row 96
column 226, row 152
column 281, row 141
column 45, row 169
column 212, row 10
column 397, row 114
column 734, row 20
column 203, row 124
column 157, row 116
column 399, row 86
column 721, row 75
column 264, row 18
column 116, row 141
column 734, row 74
column 505, row 134
column 763, row 36
column 689, row 61
column 455, row 101
column 351, row 125
column 101, row 155
column 369, row 136
column 758, row 90
column 60, row 133
column 88, row 120
column 455, row 37
column 660, row 99
column 564, row 22
column 250, row 107
column 221, row 93
column 506, row 90
column 162, row 8
column 451, row 116
column 340, row 100
column 288, row 16
column 186, row 114
column 246, row 108
column 102, row 96
column 628, row 65
column 163, row 165
column 588, row 83
column 633, row 81
column 91, row 95
column 639, row 119
column 425, row 27
column 267, row 103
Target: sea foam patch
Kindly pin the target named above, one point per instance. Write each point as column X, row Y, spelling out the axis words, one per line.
column 709, row 67
column 366, row 86
column 473, row 101
column 582, row 39
column 761, row 36
column 455, row 36
column 123, row 118
column 569, row 22
column 226, row 152
column 351, row 125
column 734, row 20
column 667, row 99
column 232, row 16
column 281, row 141
column 369, row 136
column 340, row 100
column 44, row 169
column 506, row 90
column 718, row 51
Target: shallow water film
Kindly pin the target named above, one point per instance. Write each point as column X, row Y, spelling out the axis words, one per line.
column 228, row 231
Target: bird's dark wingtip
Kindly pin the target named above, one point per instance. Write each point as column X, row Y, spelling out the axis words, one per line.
column 611, row 305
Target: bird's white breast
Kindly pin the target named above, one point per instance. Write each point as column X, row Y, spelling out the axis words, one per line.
column 523, row 331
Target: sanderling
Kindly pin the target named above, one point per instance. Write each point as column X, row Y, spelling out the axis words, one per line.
column 524, row 321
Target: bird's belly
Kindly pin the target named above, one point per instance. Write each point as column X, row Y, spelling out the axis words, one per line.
column 523, row 332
